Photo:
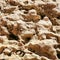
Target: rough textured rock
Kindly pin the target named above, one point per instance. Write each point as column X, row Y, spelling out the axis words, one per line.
column 29, row 29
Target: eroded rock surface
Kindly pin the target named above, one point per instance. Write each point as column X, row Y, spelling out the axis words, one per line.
column 29, row 29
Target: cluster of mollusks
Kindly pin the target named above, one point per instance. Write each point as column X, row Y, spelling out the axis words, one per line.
column 29, row 29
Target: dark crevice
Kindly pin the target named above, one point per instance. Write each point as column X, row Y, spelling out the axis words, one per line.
column 58, row 53
column 54, row 0
column 26, row 2
column 27, row 39
column 21, row 53
column 42, row 16
column 9, row 54
column 3, row 59
column 58, row 17
column 0, row 7
column 32, row 0
column 25, row 12
column 13, row 37
column 57, row 46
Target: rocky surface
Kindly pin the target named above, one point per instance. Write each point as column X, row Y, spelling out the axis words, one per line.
column 29, row 29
